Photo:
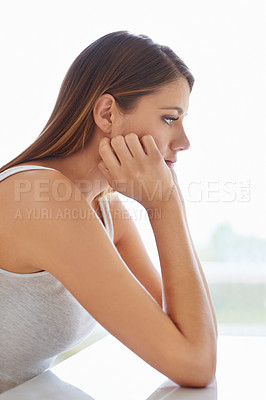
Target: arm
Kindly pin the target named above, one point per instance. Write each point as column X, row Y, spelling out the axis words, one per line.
column 194, row 251
column 130, row 246
column 203, row 279
column 141, row 165
column 184, row 296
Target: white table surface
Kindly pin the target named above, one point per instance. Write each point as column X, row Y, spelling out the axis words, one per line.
column 108, row 370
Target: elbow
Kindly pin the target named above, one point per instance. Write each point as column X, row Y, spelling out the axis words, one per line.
column 199, row 381
column 199, row 372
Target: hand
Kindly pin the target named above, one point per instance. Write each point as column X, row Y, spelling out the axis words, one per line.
column 136, row 168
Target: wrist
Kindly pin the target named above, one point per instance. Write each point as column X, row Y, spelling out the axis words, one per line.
column 156, row 209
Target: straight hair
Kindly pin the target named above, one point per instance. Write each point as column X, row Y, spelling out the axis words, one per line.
column 122, row 64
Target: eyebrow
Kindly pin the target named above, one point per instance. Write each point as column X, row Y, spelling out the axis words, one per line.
column 179, row 109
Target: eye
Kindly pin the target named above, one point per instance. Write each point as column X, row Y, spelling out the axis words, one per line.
column 169, row 120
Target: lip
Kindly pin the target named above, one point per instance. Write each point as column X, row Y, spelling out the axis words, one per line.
column 170, row 163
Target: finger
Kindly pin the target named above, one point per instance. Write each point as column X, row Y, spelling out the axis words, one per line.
column 149, row 145
column 108, row 155
column 120, row 147
column 134, row 145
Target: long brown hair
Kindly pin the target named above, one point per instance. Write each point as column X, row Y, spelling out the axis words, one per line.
column 122, row 64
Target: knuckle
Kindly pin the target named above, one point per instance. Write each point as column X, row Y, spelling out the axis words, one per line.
column 132, row 135
column 103, row 142
column 117, row 139
column 103, row 148
column 147, row 138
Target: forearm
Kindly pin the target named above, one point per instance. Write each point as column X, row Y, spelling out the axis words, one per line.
column 183, row 209
column 203, row 279
column 184, row 296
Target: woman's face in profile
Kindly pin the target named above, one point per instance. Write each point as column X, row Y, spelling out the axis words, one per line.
column 161, row 115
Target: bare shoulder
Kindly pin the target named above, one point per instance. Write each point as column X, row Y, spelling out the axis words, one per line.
column 27, row 189
column 25, row 201
column 42, row 197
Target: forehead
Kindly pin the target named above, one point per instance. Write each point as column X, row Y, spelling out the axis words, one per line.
column 174, row 94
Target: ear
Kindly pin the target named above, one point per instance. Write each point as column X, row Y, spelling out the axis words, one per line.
column 103, row 112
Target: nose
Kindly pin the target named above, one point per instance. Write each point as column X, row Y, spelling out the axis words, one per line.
column 181, row 141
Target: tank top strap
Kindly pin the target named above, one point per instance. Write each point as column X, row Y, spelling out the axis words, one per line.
column 106, row 213
column 13, row 170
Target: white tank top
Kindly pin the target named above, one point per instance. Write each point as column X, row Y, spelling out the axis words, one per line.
column 39, row 317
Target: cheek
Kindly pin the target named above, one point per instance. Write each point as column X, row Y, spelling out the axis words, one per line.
column 142, row 127
column 140, row 123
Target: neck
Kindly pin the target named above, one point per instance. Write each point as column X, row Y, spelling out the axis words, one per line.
column 81, row 168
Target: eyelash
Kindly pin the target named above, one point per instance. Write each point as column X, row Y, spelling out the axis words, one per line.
column 170, row 118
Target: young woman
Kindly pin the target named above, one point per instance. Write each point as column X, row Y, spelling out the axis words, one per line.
column 70, row 253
